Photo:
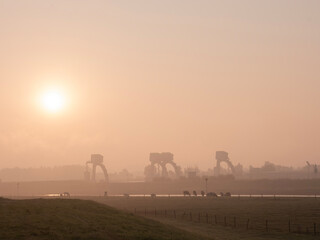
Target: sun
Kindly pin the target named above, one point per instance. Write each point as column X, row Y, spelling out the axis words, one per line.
column 53, row 100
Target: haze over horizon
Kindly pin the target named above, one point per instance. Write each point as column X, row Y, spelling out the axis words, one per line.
column 126, row 78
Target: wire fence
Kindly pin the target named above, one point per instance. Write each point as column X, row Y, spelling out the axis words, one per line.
column 236, row 222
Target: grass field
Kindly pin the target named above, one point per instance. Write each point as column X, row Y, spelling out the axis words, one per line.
column 79, row 220
column 228, row 217
column 160, row 218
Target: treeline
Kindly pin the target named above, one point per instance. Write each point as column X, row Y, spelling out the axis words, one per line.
column 68, row 172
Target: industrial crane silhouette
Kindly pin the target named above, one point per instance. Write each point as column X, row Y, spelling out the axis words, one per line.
column 315, row 167
column 222, row 156
column 96, row 160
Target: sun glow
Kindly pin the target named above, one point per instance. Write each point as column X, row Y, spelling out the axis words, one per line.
column 53, row 101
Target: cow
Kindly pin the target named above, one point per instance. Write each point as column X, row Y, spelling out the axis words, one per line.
column 212, row 194
column 227, row 194
column 65, row 194
column 185, row 193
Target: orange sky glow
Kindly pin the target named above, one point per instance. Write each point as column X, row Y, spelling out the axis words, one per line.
column 126, row 78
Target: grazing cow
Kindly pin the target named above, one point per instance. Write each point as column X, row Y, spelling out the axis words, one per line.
column 212, row 194
column 153, row 195
column 195, row 193
column 65, row 194
column 185, row 193
column 202, row 193
column 227, row 194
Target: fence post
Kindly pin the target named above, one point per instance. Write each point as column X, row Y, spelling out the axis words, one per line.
column 207, row 218
column 289, row 226
column 314, row 229
column 248, row 223
column 267, row 225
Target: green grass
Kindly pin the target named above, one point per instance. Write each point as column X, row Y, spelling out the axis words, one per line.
column 302, row 213
column 85, row 219
column 79, row 220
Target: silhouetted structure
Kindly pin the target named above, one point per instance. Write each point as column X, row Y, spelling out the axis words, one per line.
column 222, row 156
column 191, row 174
column 96, row 160
column 158, row 166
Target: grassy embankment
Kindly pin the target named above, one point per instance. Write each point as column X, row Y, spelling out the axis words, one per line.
column 79, row 220
column 232, row 215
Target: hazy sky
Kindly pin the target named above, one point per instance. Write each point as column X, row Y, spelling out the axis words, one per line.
column 189, row 77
